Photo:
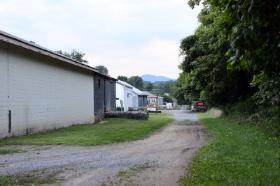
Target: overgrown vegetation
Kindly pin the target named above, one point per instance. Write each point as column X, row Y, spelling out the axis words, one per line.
column 247, row 112
column 109, row 131
column 236, row 154
column 233, row 57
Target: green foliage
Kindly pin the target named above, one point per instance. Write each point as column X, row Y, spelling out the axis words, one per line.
column 110, row 131
column 167, row 99
column 157, row 88
column 265, row 116
column 237, row 154
column 102, row 69
column 123, row 78
column 29, row 179
column 148, row 86
column 160, row 88
column 6, row 181
column 4, row 150
column 136, row 81
column 234, row 53
column 75, row 55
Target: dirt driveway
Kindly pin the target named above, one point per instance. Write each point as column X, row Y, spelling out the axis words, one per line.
column 157, row 160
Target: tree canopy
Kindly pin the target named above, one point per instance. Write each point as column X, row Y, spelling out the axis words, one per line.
column 234, row 54
column 123, row 78
column 102, row 69
column 75, row 55
column 136, row 81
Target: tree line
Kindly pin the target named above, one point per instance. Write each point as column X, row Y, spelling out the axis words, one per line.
column 79, row 57
column 233, row 56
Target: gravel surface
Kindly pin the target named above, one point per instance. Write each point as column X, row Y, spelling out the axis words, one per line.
column 157, row 160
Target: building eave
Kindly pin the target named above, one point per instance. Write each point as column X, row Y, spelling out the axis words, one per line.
column 16, row 41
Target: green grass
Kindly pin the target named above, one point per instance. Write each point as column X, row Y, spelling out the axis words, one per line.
column 5, row 150
column 237, row 154
column 6, row 181
column 112, row 131
column 27, row 180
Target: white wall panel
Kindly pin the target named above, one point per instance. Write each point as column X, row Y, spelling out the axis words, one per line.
column 43, row 95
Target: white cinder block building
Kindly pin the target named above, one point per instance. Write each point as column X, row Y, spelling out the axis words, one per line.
column 41, row 90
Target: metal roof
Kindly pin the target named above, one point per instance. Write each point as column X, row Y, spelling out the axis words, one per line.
column 33, row 47
column 149, row 94
column 135, row 90
column 123, row 83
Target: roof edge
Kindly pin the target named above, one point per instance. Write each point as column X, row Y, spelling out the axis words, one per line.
column 16, row 41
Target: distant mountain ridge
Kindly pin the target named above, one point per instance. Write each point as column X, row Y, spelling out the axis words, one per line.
column 153, row 78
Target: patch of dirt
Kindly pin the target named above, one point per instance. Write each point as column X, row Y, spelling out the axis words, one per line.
column 157, row 160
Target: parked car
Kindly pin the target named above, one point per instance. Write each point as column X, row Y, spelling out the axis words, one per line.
column 198, row 106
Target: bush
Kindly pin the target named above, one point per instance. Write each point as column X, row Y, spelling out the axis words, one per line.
column 140, row 115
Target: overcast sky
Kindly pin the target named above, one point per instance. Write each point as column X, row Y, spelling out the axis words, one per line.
column 129, row 37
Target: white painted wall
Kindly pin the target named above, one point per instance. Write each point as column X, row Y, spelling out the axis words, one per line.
column 42, row 95
column 135, row 100
column 119, row 95
column 126, row 95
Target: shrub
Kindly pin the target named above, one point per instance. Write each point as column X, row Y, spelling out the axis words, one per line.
column 130, row 115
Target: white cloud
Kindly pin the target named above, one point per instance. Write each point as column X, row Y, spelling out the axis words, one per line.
column 131, row 37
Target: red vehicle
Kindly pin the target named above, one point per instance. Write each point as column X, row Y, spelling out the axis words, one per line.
column 198, row 106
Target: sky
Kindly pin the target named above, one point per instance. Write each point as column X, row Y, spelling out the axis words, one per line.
column 129, row 37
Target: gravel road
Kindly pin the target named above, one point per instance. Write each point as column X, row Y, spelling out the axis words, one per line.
column 157, row 160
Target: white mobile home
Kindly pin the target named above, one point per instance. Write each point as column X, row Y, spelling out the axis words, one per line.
column 40, row 89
